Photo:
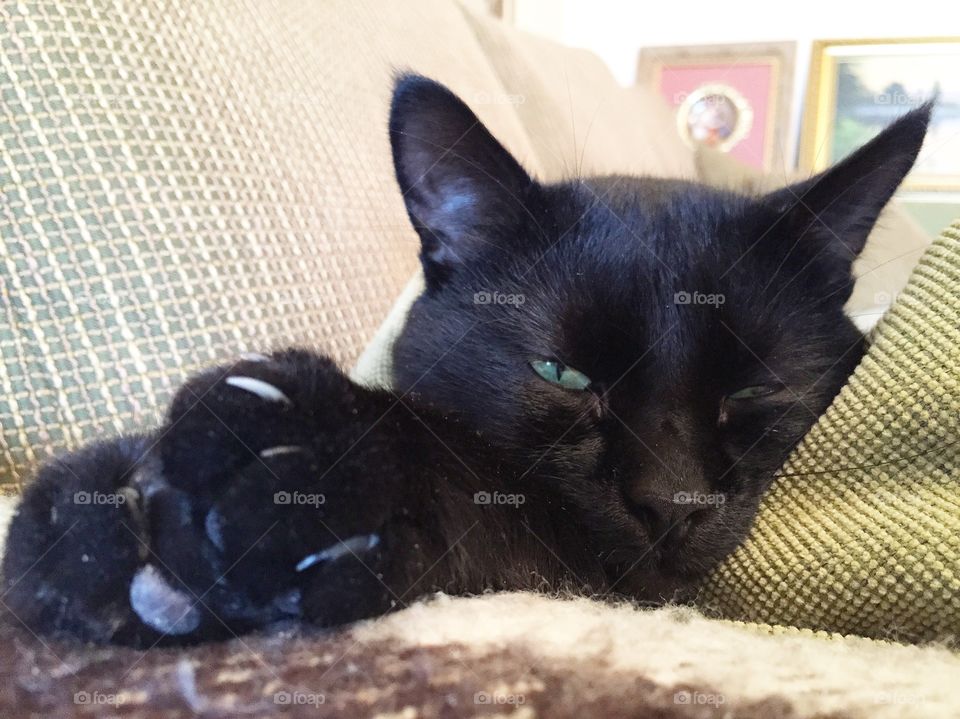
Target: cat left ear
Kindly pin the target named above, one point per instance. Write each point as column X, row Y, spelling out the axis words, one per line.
column 833, row 213
column 461, row 187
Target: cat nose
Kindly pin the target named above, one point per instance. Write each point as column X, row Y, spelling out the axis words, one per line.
column 665, row 515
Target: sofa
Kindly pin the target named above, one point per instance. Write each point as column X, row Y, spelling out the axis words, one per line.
column 184, row 181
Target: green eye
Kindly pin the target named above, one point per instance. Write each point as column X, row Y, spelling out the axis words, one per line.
column 760, row 390
column 560, row 374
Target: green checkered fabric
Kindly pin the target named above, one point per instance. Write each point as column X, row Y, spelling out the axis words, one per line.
column 181, row 181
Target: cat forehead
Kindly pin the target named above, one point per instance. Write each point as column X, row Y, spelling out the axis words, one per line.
column 634, row 229
column 642, row 200
column 623, row 257
column 646, row 256
column 644, row 222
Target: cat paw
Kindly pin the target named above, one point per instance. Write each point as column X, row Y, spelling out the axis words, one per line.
column 246, row 508
column 79, row 544
column 267, row 442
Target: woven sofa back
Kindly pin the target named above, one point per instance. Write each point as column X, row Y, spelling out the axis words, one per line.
column 181, row 181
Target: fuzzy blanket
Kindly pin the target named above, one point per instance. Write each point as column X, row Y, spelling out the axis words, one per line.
column 517, row 655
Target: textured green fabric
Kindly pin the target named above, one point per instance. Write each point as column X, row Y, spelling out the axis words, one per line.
column 861, row 534
column 181, row 181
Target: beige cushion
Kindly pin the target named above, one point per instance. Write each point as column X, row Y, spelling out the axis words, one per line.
column 578, row 119
column 180, row 181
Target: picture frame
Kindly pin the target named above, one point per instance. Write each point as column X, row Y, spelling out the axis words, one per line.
column 735, row 98
column 857, row 87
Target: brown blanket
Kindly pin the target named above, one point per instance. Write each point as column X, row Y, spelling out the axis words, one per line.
column 517, row 655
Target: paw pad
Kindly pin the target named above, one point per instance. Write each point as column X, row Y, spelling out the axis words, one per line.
column 213, row 525
column 160, row 606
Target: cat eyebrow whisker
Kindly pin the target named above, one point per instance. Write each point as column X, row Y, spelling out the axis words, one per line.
column 852, row 468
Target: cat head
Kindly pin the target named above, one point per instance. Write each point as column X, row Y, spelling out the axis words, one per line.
column 650, row 349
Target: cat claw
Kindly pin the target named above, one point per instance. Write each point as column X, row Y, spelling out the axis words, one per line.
column 253, row 357
column 353, row 545
column 263, row 390
column 282, row 449
column 145, row 483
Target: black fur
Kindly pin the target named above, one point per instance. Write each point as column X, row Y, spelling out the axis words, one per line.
column 477, row 473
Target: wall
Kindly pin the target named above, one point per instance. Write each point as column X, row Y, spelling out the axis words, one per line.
column 617, row 29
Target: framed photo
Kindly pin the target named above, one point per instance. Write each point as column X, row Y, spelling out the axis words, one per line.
column 857, row 87
column 735, row 98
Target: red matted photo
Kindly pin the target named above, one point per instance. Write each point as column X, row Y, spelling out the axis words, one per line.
column 734, row 98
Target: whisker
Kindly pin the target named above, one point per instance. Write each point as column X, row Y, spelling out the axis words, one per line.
column 870, row 466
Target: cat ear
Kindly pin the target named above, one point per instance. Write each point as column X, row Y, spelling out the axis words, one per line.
column 461, row 187
column 830, row 215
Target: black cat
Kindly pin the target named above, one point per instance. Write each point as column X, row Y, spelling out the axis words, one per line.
column 594, row 391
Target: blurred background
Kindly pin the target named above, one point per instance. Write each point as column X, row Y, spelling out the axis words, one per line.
column 782, row 88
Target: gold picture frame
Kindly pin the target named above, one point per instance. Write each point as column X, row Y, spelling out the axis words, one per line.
column 823, row 123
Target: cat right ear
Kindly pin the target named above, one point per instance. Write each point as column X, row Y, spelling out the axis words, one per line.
column 829, row 216
column 461, row 187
